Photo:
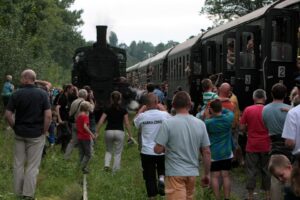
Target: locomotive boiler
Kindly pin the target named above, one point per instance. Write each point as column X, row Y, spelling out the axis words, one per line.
column 100, row 66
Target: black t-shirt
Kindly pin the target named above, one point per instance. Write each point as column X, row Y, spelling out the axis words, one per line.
column 115, row 118
column 64, row 109
column 29, row 104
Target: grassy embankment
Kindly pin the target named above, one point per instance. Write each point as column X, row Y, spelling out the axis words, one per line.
column 61, row 180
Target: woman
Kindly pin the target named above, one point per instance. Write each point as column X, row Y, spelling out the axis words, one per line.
column 116, row 116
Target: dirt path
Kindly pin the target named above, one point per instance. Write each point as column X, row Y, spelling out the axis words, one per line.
column 238, row 186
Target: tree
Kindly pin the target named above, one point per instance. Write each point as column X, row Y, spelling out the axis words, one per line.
column 113, row 39
column 221, row 11
column 39, row 34
column 170, row 44
column 159, row 48
column 123, row 46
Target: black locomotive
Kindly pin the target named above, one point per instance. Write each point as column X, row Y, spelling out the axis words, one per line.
column 100, row 66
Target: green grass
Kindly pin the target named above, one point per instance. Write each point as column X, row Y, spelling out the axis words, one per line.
column 61, row 180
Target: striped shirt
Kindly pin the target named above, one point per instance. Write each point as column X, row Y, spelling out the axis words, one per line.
column 209, row 96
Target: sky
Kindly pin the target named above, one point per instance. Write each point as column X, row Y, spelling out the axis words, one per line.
column 146, row 20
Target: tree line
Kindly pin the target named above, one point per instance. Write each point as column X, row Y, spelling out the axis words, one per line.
column 141, row 50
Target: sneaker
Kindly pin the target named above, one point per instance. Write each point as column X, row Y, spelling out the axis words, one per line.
column 161, row 187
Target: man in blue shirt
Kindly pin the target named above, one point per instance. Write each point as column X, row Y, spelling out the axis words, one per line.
column 220, row 136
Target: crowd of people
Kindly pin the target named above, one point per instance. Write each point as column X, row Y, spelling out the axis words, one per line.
column 173, row 143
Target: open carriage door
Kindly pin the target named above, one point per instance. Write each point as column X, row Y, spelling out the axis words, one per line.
column 229, row 58
column 281, row 48
column 248, row 68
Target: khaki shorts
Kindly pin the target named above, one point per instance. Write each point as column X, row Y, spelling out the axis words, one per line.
column 180, row 187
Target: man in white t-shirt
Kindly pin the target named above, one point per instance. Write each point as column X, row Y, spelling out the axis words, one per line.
column 149, row 120
column 291, row 129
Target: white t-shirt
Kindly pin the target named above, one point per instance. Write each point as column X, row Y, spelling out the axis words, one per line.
column 291, row 129
column 149, row 122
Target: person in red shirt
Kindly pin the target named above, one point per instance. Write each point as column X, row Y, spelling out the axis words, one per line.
column 258, row 144
column 84, row 135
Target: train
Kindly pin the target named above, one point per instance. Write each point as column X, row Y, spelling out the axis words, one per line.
column 99, row 66
column 254, row 51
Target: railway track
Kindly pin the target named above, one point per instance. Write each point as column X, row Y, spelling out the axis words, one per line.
column 84, row 188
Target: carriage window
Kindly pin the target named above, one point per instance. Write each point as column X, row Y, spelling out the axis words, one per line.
column 170, row 70
column 219, row 66
column 281, row 48
column 247, row 56
column 176, row 69
column 160, row 71
column 187, row 69
column 183, row 64
column 179, row 69
column 209, row 60
column 230, row 54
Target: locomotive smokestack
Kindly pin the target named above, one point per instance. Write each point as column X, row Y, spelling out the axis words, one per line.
column 101, row 36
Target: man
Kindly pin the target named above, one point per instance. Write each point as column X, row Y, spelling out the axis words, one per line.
column 62, row 107
column 74, row 111
column 274, row 118
column 149, row 120
column 224, row 95
column 7, row 90
column 219, row 129
column 182, row 138
column 291, row 129
column 258, row 144
column 32, row 120
column 160, row 95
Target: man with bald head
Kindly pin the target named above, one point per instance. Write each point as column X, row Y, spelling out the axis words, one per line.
column 32, row 119
column 224, row 95
column 149, row 120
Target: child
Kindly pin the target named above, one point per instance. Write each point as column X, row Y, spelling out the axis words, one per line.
column 208, row 94
column 281, row 167
column 84, row 136
column 51, row 130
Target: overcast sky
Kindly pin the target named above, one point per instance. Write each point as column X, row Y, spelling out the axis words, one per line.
column 148, row 20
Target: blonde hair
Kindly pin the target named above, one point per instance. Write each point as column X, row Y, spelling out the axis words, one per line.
column 85, row 106
column 9, row 77
column 278, row 161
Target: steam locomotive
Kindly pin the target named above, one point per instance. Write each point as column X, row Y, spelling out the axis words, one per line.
column 254, row 51
column 99, row 66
